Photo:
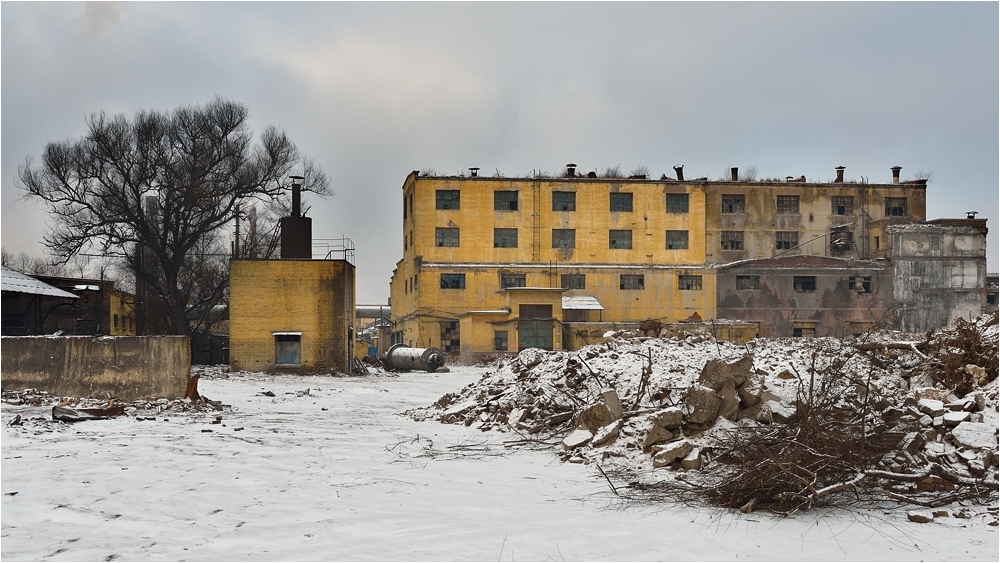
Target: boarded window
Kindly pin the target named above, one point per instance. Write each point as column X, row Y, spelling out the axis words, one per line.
column 732, row 240
column 447, row 199
column 500, row 340
column 677, row 240
column 505, row 238
column 574, row 281
column 563, row 201
column 450, row 342
column 535, row 311
column 895, row 206
column 563, row 238
column 446, row 236
column 804, row 283
column 287, row 349
column 842, row 204
column 512, row 280
column 631, row 281
column 452, row 281
column 786, row 240
column 788, row 204
column 505, row 201
column 619, row 239
column 861, row 284
column 733, row 203
column 677, row 203
column 804, row 330
column 621, row 202
column 686, row 282
column 747, row 282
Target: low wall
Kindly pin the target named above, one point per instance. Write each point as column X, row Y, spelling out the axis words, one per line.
column 124, row 367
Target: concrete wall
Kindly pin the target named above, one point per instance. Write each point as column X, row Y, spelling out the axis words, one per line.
column 124, row 367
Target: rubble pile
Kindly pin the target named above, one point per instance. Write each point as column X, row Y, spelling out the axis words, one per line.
column 687, row 404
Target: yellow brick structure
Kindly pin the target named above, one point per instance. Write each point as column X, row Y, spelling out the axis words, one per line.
column 639, row 248
column 291, row 315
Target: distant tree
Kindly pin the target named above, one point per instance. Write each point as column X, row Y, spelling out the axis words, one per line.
column 161, row 189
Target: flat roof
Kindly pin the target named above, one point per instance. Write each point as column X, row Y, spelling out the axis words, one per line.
column 581, row 302
column 16, row 282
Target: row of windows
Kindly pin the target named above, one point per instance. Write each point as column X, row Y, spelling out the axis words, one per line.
column 573, row 281
column 620, row 239
column 861, row 284
column 675, row 203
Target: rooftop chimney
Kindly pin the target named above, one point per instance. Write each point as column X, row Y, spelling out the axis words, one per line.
column 296, row 230
column 296, row 196
column 970, row 214
column 735, row 171
column 679, row 170
column 571, row 170
column 840, row 174
column 474, row 171
column 895, row 174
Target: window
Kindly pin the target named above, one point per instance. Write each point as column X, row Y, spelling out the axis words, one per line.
column 786, row 240
column 574, row 281
column 446, row 236
column 747, row 282
column 504, row 238
column 732, row 240
column 804, row 283
column 447, row 199
column 116, row 321
column 452, row 281
column 788, row 204
column 841, row 240
column 621, row 202
column 804, row 330
column 842, row 204
column 677, row 203
column 991, row 298
column 677, row 240
column 895, row 206
column 563, row 201
column 563, row 238
column 405, row 200
column 505, row 201
column 688, row 282
column 512, row 280
column 287, row 348
column 733, row 203
column 619, row 239
column 861, row 284
column 413, row 284
column 631, row 281
column 450, row 343
column 500, row 340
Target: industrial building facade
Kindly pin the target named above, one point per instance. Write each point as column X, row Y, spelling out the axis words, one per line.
column 498, row 264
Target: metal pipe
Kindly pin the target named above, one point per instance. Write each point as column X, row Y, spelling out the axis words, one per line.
column 403, row 358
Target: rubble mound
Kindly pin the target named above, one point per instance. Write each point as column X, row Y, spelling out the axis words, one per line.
column 781, row 423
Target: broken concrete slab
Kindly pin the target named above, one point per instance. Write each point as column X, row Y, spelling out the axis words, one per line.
column 594, row 417
column 607, row 434
column 669, row 453
column 717, row 372
column 730, row 402
column 692, row 460
column 610, row 399
column 975, row 435
column 669, row 418
column 920, row 516
column 932, row 407
column 657, row 435
column 577, row 438
column 702, row 404
column 954, row 418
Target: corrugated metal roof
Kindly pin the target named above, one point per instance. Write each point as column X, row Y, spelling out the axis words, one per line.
column 14, row 281
column 584, row 302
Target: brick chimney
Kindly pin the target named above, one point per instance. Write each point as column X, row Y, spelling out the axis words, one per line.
column 840, row 174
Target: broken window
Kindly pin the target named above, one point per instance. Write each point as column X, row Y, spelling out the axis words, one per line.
column 842, row 205
column 747, row 282
column 563, row 238
column 686, row 282
column 500, row 340
column 450, row 342
column 677, row 203
column 895, row 206
column 447, row 199
column 512, row 280
column 861, row 284
column 574, row 281
column 804, row 283
column 452, row 281
column 446, row 236
column 563, row 201
column 620, row 239
column 677, row 240
column 631, row 281
column 733, row 203
column 786, row 240
column 621, row 202
column 841, row 239
column 788, row 204
column 505, row 201
column 732, row 240
column 504, row 238
column 804, row 330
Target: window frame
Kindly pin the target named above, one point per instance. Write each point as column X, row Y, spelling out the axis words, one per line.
column 442, row 237
column 675, row 206
column 456, row 281
column 613, row 241
column 685, row 242
column 688, row 282
column 566, row 279
column 736, row 204
column 864, row 283
column 572, row 238
column 791, row 240
column 620, row 202
column 790, row 205
column 502, row 236
column 500, row 343
column 638, row 280
column 519, row 280
column 732, row 240
column 754, row 283
column 569, row 205
column 895, row 207
column 440, row 202
column 502, row 201
column 804, row 284
column 842, row 205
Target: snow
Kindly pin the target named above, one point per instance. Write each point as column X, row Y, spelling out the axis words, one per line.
column 329, row 469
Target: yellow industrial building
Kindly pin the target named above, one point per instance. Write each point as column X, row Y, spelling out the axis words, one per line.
column 501, row 264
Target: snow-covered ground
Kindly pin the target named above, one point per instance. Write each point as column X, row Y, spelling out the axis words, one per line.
column 328, row 469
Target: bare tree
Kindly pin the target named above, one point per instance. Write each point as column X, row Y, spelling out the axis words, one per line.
column 160, row 187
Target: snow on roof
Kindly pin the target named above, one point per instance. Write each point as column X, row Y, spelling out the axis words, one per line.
column 14, row 281
column 585, row 302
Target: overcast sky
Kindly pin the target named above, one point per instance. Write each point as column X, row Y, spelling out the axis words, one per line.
column 374, row 91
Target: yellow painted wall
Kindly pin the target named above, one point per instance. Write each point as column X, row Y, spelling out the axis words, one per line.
column 314, row 297
column 122, row 304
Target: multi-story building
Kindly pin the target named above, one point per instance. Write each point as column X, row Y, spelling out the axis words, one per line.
column 501, row 264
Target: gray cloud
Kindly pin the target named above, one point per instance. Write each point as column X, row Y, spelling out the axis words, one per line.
column 373, row 91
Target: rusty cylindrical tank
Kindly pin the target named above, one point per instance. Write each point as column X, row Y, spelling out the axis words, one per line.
column 403, row 358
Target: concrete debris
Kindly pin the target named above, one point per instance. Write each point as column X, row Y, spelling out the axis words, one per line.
column 920, row 516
